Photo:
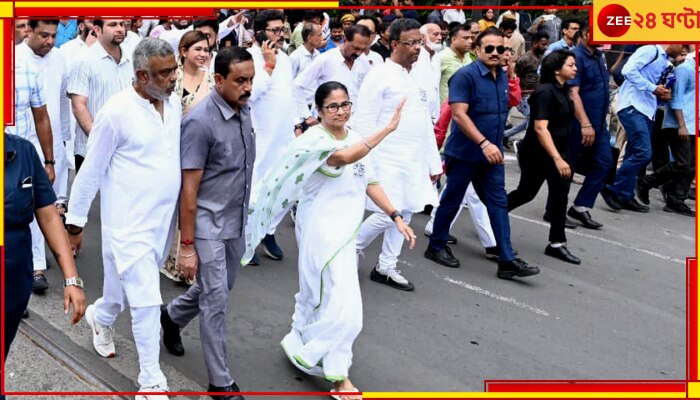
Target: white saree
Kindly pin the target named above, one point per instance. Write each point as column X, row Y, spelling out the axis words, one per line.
column 328, row 311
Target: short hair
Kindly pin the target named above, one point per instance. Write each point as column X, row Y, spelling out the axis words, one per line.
column 228, row 56
column 33, row 23
column 401, row 25
column 335, row 24
column 307, row 30
column 150, row 47
column 309, row 15
column 456, row 28
column 189, row 39
column 508, row 24
column 368, row 18
column 357, row 30
column 206, row 22
column 584, row 28
column 265, row 16
column 98, row 22
column 540, row 35
column 443, row 25
column 325, row 89
column 383, row 28
column 565, row 23
column 491, row 31
column 552, row 63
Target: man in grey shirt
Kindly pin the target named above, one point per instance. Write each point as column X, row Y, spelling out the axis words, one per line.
column 217, row 153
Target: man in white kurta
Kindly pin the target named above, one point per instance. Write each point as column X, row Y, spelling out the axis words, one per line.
column 272, row 107
column 134, row 161
column 429, row 59
column 406, row 160
column 305, row 55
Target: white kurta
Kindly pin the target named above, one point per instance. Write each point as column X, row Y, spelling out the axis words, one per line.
column 134, row 160
column 405, row 159
column 431, row 69
column 272, row 111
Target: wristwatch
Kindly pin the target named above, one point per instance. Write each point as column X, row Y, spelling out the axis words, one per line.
column 74, row 230
column 74, row 281
column 395, row 215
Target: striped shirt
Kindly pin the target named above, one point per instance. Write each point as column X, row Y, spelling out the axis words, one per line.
column 97, row 76
column 29, row 93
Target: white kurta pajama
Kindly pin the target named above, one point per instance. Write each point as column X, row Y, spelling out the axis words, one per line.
column 405, row 159
column 328, row 311
column 134, row 160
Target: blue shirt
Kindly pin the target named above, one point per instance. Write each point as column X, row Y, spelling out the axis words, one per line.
column 683, row 96
column 330, row 45
column 487, row 98
column 66, row 32
column 641, row 75
column 593, row 81
column 558, row 45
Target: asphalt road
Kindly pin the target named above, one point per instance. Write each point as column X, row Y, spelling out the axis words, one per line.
column 619, row 315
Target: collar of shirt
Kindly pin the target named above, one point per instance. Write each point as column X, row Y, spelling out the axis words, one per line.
column 10, row 150
column 167, row 103
column 483, row 69
column 100, row 52
column 307, row 53
column 226, row 110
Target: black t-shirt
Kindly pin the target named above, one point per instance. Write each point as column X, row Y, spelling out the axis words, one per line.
column 551, row 102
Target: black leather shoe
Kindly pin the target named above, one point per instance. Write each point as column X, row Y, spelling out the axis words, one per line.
column 230, row 388
column 679, row 208
column 642, row 191
column 515, row 267
column 567, row 222
column 25, row 314
column 171, row 333
column 633, row 205
column 442, row 257
column 395, row 280
column 40, row 284
column 562, row 253
column 584, row 218
column 491, row 253
column 610, row 199
column 271, row 248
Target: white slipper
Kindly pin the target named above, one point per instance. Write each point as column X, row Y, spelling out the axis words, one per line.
column 337, row 396
column 291, row 344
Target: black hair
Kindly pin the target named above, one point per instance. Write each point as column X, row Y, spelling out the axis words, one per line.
column 357, row 30
column 483, row 14
column 307, row 30
column 325, row 90
column 401, row 25
column 33, row 23
column 455, row 28
column 565, row 23
column 383, row 28
column 553, row 63
column 309, row 15
column 540, row 35
column 335, row 24
column 508, row 24
column 491, row 31
column 443, row 25
column 584, row 28
column 206, row 22
column 98, row 22
column 265, row 16
column 228, row 56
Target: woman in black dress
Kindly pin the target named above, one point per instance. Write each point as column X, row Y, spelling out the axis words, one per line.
column 543, row 151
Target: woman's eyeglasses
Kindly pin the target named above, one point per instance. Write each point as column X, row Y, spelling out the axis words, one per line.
column 334, row 107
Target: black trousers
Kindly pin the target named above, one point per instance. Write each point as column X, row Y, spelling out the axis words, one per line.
column 536, row 167
column 677, row 175
column 78, row 162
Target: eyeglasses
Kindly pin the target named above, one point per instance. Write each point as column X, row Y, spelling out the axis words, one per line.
column 411, row 43
column 334, row 107
column 277, row 31
column 490, row 48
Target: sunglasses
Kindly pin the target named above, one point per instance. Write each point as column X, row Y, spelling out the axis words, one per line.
column 490, row 48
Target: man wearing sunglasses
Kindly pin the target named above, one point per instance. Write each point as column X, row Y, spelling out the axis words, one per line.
column 478, row 96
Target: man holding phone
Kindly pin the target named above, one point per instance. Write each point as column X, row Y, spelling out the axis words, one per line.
column 271, row 103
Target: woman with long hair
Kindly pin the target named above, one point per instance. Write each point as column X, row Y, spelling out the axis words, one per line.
column 487, row 19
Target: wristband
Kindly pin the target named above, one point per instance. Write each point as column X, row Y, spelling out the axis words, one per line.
column 482, row 142
column 187, row 242
column 72, row 232
column 395, row 214
column 49, row 162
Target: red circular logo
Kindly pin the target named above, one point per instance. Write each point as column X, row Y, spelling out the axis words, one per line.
column 614, row 20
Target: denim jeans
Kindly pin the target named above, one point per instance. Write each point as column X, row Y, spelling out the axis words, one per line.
column 637, row 153
column 524, row 108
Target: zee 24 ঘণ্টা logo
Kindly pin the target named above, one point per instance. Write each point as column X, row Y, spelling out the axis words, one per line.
column 614, row 20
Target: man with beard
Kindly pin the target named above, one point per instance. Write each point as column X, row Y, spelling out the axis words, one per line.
column 272, row 91
column 135, row 148
column 343, row 64
column 171, row 24
column 102, row 70
column 478, row 97
column 38, row 50
column 406, row 160
column 212, row 220
column 429, row 62
column 337, row 36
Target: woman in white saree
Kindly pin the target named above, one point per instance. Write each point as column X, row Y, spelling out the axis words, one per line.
column 324, row 170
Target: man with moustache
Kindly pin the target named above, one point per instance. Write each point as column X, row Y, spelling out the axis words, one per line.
column 38, row 50
column 134, row 149
column 342, row 64
column 408, row 159
column 429, row 62
column 102, row 70
column 478, row 97
column 212, row 220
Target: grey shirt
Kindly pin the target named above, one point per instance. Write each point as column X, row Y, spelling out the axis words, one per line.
column 220, row 141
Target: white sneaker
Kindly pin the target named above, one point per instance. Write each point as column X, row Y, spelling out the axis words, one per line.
column 395, row 275
column 391, row 277
column 102, row 339
column 156, row 388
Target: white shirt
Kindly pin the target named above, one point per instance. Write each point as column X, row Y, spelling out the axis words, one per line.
column 301, row 58
column 132, row 150
column 97, row 76
column 374, row 58
column 404, row 160
column 514, row 16
column 430, row 69
column 329, row 66
column 454, row 15
column 72, row 50
column 54, row 74
column 131, row 40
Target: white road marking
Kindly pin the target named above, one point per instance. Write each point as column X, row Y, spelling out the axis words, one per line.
column 607, row 241
column 481, row 291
